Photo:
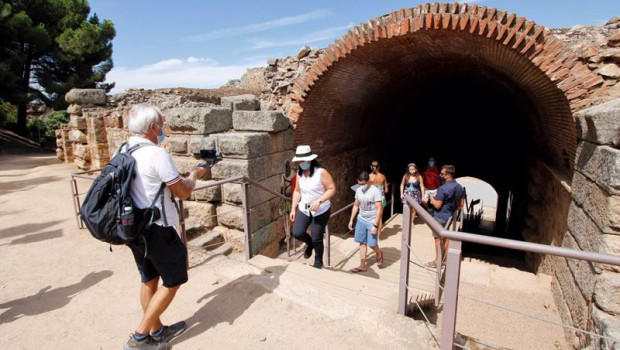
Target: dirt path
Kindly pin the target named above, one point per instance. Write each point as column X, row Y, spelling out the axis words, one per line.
column 62, row 289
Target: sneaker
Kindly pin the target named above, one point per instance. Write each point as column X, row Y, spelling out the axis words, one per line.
column 308, row 252
column 146, row 344
column 171, row 332
column 318, row 265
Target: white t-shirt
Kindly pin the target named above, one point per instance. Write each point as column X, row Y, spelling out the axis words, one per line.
column 311, row 189
column 154, row 166
column 367, row 199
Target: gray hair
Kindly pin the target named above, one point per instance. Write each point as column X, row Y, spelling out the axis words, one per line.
column 141, row 116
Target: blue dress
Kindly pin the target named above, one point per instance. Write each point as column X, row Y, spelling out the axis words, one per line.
column 413, row 189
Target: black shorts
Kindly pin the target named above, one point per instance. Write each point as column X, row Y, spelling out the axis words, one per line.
column 166, row 256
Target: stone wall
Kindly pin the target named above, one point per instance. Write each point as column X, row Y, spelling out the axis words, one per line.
column 589, row 293
column 254, row 143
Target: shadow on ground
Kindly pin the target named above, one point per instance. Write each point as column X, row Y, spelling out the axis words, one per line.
column 48, row 299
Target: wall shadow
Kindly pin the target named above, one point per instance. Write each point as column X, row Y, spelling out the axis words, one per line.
column 25, row 185
column 230, row 301
column 25, row 229
column 48, row 299
column 36, row 237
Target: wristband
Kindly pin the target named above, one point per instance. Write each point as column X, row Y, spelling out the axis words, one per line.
column 376, row 226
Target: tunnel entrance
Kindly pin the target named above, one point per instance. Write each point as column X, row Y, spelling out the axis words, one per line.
column 474, row 87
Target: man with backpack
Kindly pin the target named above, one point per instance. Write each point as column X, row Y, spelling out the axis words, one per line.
column 162, row 254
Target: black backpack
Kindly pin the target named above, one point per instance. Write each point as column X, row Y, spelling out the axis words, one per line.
column 108, row 211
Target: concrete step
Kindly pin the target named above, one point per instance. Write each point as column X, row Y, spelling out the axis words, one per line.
column 301, row 281
column 209, row 241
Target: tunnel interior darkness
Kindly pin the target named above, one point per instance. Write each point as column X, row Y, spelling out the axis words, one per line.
column 468, row 101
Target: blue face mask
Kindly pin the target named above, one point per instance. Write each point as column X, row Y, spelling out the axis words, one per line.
column 160, row 138
column 442, row 178
column 431, row 163
column 304, row 166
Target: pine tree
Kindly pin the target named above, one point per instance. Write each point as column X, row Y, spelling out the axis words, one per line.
column 48, row 47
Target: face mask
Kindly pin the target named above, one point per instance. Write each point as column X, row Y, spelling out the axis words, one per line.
column 442, row 178
column 160, row 138
column 431, row 163
column 304, row 166
column 411, row 172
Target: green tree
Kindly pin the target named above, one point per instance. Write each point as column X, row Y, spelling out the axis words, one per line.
column 48, row 47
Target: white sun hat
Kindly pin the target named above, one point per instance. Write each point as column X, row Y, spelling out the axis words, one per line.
column 303, row 154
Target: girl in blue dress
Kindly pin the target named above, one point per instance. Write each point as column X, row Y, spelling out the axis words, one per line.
column 412, row 185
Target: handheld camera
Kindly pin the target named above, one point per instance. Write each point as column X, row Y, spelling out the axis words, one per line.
column 210, row 157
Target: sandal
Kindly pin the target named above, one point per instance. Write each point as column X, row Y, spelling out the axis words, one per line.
column 380, row 260
column 431, row 264
column 356, row 270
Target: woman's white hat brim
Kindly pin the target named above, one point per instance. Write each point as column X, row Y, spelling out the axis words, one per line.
column 305, row 159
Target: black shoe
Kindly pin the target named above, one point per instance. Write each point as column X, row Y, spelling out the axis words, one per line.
column 308, row 252
column 318, row 265
column 170, row 332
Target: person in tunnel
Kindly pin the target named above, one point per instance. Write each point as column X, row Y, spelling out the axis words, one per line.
column 448, row 199
column 380, row 182
column 368, row 204
column 311, row 204
column 430, row 175
column 412, row 185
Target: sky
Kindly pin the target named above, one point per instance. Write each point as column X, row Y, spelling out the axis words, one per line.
column 204, row 44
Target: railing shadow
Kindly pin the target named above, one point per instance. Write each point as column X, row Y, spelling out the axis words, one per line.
column 25, row 229
column 36, row 237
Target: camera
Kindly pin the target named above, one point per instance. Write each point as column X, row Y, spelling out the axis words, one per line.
column 210, row 157
column 308, row 205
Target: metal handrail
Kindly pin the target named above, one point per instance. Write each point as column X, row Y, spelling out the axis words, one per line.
column 453, row 263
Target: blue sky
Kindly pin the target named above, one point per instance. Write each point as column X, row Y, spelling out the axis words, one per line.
column 203, row 44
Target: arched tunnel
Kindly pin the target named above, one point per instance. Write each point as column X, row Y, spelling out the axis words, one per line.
column 472, row 88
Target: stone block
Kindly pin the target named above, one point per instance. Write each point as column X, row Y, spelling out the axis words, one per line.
column 232, row 192
column 264, row 213
column 201, row 213
column 600, row 124
column 244, row 145
column 74, row 109
column 185, row 164
column 113, row 121
column 236, row 239
column 582, row 270
column 60, row 154
column 86, row 97
column 209, row 194
column 270, row 121
column 199, row 120
column 77, row 136
column 602, row 207
column 230, row 216
column 266, row 240
column 577, row 305
column 82, row 151
column 608, row 326
column 600, row 164
column 241, row 102
column 607, row 292
column 587, row 234
column 178, row 144
column 196, row 143
column 253, row 168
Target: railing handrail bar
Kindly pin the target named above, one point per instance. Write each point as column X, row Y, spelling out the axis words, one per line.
column 255, row 183
column 342, row 209
column 219, row 182
column 512, row 244
column 86, row 171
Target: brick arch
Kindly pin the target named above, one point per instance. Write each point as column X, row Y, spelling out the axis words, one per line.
column 538, row 67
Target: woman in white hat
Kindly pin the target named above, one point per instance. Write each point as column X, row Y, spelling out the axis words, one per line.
column 311, row 204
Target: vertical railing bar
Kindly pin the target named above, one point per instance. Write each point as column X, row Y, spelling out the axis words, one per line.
column 182, row 222
column 329, row 247
column 76, row 203
column 392, row 200
column 245, row 203
column 403, row 294
column 453, row 273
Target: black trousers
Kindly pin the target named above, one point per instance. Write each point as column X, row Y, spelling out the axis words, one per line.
column 302, row 221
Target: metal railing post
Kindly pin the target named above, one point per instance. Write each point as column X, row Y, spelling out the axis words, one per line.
column 453, row 274
column 76, row 202
column 182, row 222
column 392, row 200
column 403, row 293
column 245, row 203
column 328, row 248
